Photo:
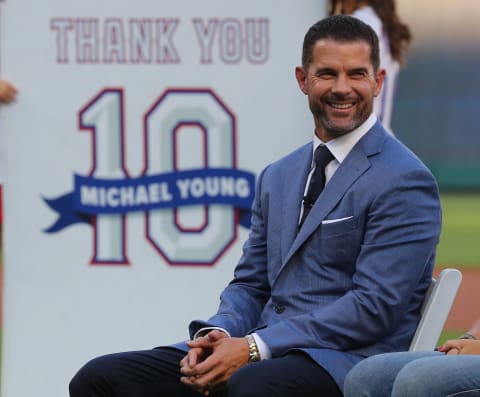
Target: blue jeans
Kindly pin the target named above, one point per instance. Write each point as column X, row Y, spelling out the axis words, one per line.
column 415, row 374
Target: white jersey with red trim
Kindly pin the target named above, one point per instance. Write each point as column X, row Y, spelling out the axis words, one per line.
column 383, row 104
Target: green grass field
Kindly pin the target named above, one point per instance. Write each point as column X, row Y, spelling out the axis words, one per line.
column 459, row 243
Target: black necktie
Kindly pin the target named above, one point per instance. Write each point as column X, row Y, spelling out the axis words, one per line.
column 322, row 157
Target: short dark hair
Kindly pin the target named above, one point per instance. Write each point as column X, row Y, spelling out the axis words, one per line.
column 341, row 28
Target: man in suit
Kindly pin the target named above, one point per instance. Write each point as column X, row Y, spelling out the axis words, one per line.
column 321, row 284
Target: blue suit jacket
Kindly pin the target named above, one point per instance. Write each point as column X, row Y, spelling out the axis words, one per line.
column 351, row 281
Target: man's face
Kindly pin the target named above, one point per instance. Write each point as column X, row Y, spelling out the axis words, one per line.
column 340, row 84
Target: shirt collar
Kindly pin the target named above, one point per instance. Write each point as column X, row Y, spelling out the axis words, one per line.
column 341, row 146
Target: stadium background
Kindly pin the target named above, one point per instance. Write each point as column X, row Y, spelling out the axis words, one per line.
column 436, row 114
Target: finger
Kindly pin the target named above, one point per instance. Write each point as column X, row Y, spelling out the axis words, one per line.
column 197, row 384
column 216, row 335
column 450, row 344
column 453, row 351
column 444, row 348
column 204, row 374
column 190, row 360
column 195, row 371
column 190, row 383
column 193, row 357
column 183, row 362
column 203, row 342
column 208, row 380
column 201, row 383
column 185, row 359
column 187, row 370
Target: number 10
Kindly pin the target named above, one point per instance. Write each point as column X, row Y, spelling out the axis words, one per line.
column 184, row 128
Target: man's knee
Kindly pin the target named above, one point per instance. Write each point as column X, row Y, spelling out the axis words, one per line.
column 91, row 378
column 78, row 384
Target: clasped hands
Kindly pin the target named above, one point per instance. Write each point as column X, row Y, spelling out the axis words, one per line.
column 211, row 360
column 460, row 346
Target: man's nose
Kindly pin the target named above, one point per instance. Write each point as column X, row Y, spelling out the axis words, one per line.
column 341, row 85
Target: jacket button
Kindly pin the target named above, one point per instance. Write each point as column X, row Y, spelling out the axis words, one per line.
column 279, row 309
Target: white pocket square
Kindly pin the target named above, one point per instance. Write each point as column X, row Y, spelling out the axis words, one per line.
column 327, row 221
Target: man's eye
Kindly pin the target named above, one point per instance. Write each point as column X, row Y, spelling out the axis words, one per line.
column 358, row 75
column 326, row 75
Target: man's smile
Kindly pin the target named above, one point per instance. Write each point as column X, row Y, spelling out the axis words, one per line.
column 341, row 106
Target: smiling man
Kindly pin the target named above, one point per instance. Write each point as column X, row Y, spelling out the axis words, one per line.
column 339, row 256
column 340, row 76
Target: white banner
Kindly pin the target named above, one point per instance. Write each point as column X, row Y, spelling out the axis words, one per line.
column 130, row 158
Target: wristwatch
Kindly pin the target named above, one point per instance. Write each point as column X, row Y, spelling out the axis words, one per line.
column 253, row 353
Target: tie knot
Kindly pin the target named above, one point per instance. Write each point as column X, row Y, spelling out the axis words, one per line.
column 322, row 156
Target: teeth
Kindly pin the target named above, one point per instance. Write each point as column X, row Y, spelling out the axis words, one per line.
column 341, row 105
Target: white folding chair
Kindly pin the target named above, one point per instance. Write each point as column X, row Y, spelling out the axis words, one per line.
column 435, row 309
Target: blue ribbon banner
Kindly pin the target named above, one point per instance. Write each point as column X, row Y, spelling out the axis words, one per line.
column 93, row 196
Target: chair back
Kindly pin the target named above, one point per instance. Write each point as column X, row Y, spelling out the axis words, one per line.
column 438, row 302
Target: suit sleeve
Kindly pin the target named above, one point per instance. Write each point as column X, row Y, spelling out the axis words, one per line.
column 401, row 233
column 242, row 301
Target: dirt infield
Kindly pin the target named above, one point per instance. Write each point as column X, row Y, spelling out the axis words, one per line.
column 465, row 309
column 463, row 314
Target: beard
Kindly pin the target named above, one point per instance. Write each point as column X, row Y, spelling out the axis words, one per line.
column 333, row 129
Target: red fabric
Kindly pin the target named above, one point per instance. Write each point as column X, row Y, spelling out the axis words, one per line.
column 1, row 204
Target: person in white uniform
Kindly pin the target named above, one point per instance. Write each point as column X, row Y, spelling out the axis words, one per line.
column 394, row 39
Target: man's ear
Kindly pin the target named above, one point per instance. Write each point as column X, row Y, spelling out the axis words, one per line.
column 379, row 78
column 301, row 77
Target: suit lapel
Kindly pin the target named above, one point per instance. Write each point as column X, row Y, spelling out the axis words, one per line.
column 292, row 195
column 354, row 165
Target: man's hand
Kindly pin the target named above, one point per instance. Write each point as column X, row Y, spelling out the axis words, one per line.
column 8, row 92
column 197, row 353
column 200, row 349
column 460, row 346
column 225, row 356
